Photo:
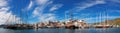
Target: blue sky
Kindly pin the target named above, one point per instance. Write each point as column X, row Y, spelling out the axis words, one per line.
column 31, row 11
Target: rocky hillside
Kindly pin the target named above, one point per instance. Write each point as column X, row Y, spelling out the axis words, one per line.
column 111, row 22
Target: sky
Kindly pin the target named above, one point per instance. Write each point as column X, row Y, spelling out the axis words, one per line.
column 32, row 11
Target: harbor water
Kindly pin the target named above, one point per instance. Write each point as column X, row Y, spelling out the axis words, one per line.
column 62, row 30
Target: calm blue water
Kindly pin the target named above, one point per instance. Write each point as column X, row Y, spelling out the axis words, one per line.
column 91, row 30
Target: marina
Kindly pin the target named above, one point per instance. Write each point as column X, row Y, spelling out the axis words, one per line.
column 76, row 24
column 59, row 16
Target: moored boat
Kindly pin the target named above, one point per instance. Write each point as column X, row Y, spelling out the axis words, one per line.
column 103, row 26
column 18, row 26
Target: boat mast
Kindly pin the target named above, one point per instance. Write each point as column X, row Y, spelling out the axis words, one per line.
column 65, row 17
column 71, row 16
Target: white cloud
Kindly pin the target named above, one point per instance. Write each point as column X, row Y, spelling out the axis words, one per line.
column 3, row 3
column 86, row 4
column 55, row 7
column 103, row 17
column 99, row 18
column 38, row 11
column 41, row 2
column 89, row 4
column 43, row 17
column 4, row 9
column 47, row 17
column 30, row 4
column 114, row 11
column 5, row 16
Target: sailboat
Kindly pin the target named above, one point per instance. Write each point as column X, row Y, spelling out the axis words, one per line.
column 103, row 24
column 17, row 25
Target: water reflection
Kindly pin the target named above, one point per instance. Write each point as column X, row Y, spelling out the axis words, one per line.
column 60, row 30
column 2, row 30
